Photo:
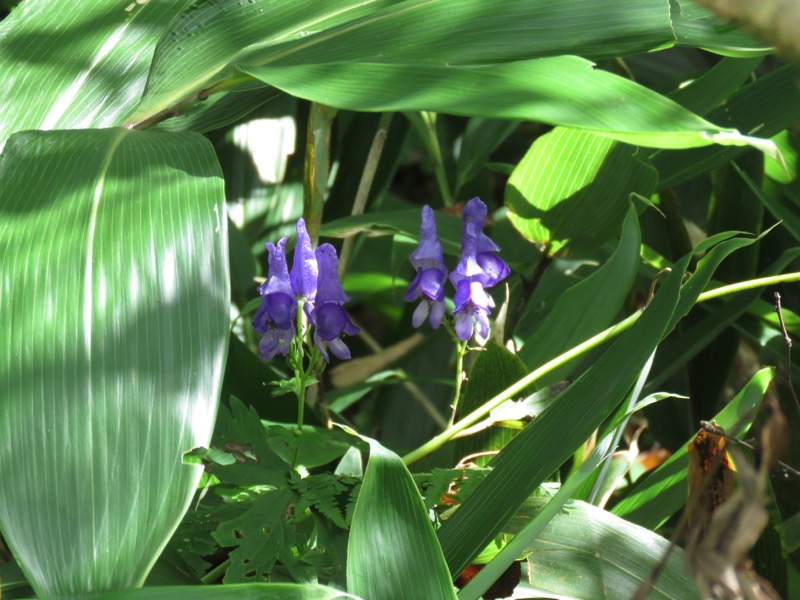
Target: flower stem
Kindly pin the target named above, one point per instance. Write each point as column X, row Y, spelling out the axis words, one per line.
column 605, row 335
column 461, row 352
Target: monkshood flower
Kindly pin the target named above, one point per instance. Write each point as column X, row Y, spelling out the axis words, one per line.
column 313, row 280
column 276, row 316
column 428, row 283
column 329, row 318
column 304, row 268
column 478, row 269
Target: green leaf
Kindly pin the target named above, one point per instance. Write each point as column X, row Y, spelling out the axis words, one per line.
column 662, row 493
column 698, row 27
column 551, row 438
column 77, row 64
column 495, row 368
column 257, row 535
column 481, row 137
column 766, row 106
column 243, row 591
column 573, row 188
column 206, row 42
column 561, row 90
column 115, row 295
column 587, row 307
column 393, row 551
column 585, row 549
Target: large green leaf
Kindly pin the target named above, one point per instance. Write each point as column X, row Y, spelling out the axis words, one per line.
column 393, row 551
column 561, row 90
column 766, row 106
column 573, row 187
column 393, row 55
column 245, row 591
column 77, row 64
column 585, row 549
column 115, row 285
column 203, row 45
column 696, row 26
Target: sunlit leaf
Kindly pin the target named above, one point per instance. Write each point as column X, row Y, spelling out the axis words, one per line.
column 114, row 333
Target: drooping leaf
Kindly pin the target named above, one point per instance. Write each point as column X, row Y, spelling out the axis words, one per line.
column 393, row 551
column 560, row 90
column 115, row 291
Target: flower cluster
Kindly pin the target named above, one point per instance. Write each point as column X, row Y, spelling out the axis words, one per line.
column 313, row 280
column 478, row 269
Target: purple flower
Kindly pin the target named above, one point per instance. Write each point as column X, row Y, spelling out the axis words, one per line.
column 478, row 269
column 329, row 318
column 431, row 274
column 471, row 300
column 304, row 267
column 276, row 315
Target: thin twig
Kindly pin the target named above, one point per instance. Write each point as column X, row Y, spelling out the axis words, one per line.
column 717, row 431
column 788, row 343
column 365, row 184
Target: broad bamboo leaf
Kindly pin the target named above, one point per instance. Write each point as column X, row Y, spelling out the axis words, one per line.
column 377, row 57
column 204, row 44
column 561, row 90
column 766, row 106
column 573, row 188
column 77, row 64
column 242, row 591
column 115, row 291
column 662, row 493
column 585, row 549
column 698, row 27
column 393, row 551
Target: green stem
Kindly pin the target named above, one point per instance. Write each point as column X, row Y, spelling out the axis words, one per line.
column 604, row 336
column 461, row 351
column 425, row 124
column 364, row 186
column 750, row 284
column 316, row 167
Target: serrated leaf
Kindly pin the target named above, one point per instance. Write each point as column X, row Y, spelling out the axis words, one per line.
column 258, row 535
